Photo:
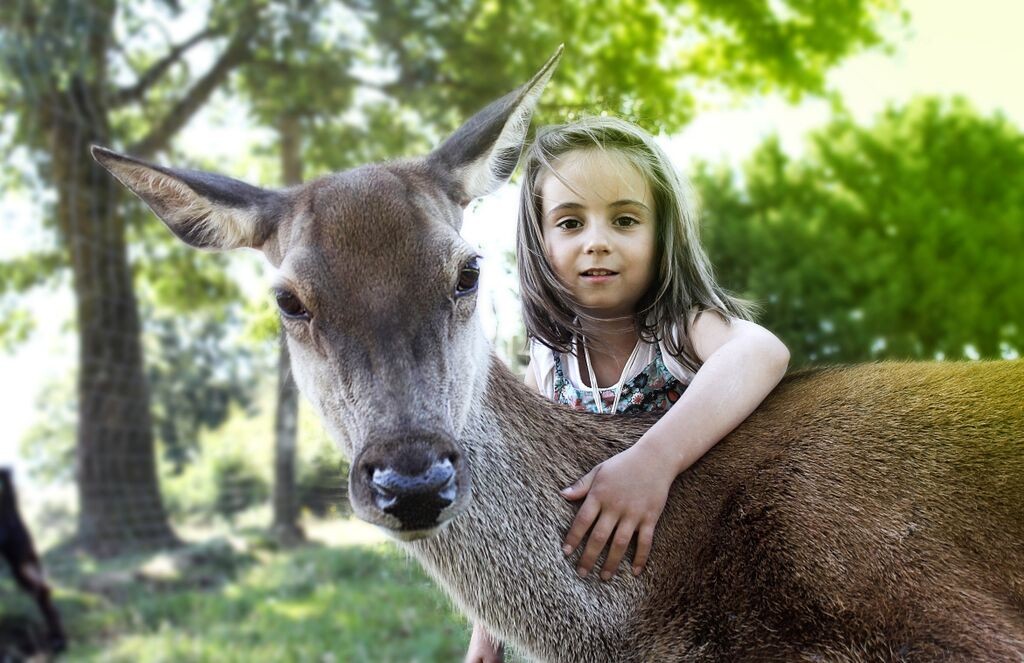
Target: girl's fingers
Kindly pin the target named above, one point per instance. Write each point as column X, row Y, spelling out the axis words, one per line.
column 585, row 517
column 579, row 490
column 595, row 544
column 644, row 538
column 623, row 535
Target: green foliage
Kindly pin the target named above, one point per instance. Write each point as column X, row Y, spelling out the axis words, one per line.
column 237, row 486
column 16, row 326
column 195, row 375
column 638, row 59
column 898, row 240
column 48, row 447
column 173, row 277
column 244, row 437
column 378, row 79
column 21, row 275
column 323, row 484
column 262, row 323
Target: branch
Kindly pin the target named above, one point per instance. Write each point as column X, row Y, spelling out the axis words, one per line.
column 236, row 53
column 153, row 74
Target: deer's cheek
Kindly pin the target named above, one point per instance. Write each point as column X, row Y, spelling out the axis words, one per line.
column 463, row 308
column 304, row 337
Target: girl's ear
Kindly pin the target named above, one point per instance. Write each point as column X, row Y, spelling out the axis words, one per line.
column 481, row 155
column 204, row 210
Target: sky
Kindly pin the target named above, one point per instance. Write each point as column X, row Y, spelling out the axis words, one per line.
column 972, row 49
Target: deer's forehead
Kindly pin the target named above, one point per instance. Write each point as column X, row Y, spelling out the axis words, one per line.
column 395, row 203
column 372, row 222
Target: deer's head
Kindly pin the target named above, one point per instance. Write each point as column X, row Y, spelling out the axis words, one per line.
column 377, row 295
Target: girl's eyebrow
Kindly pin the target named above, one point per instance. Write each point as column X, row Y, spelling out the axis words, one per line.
column 626, row 202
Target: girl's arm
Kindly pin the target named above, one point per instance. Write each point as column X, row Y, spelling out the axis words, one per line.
column 742, row 363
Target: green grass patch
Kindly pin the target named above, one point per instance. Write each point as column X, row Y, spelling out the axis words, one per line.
column 358, row 602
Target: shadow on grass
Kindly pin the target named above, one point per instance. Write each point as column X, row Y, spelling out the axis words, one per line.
column 216, row 603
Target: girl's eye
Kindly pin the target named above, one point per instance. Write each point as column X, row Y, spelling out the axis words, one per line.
column 626, row 221
column 469, row 276
column 569, row 224
column 290, row 306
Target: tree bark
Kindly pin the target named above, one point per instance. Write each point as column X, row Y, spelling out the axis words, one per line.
column 286, row 527
column 119, row 498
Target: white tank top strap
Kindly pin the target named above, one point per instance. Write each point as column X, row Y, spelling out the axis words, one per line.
column 640, row 359
column 542, row 362
column 677, row 370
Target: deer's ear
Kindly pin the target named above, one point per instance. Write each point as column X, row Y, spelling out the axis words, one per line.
column 204, row 210
column 481, row 155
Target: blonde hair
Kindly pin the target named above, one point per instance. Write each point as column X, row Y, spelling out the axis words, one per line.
column 684, row 278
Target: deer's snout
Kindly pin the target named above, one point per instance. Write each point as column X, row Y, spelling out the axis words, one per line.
column 409, row 485
column 417, row 499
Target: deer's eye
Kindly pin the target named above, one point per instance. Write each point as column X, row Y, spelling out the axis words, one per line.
column 468, row 278
column 290, row 306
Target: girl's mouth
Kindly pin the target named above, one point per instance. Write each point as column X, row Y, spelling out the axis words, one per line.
column 598, row 275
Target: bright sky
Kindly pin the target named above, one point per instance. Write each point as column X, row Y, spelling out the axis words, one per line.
column 973, row 49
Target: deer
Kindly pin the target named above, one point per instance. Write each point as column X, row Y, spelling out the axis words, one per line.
column 866, row 512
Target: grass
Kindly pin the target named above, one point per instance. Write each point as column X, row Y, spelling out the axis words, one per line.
column 349, row 597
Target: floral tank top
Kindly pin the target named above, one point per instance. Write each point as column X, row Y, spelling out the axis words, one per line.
column 654, row 389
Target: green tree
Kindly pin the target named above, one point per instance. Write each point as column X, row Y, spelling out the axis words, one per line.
column 194, row 377
column 897, row 240
column 78, row 72
column 64, row 64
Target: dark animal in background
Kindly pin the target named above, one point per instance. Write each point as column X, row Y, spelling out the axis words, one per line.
column 17, row 548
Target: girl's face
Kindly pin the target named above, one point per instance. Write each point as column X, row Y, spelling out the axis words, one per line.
column 598, row 221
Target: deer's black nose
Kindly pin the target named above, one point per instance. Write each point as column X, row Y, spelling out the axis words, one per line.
column 416, row 499
column 410, row 483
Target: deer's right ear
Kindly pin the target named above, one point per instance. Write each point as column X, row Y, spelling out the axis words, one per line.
column 204, row 210
column 481, row 155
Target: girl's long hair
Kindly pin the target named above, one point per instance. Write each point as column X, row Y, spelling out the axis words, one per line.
column 685, row 281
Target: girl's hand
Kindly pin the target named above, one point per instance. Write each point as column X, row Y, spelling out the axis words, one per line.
column 483, row 648
column 625, row 495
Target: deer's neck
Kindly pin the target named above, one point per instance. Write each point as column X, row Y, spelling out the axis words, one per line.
column 501, row 560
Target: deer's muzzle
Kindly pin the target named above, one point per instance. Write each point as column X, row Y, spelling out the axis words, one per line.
column 409, row 485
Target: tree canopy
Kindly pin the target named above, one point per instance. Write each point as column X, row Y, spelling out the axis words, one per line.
column 897, row 240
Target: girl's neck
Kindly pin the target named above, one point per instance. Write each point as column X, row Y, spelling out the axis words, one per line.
column 610, row 338
column 609, row 344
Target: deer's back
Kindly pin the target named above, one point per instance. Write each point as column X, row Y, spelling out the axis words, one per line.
column 858, row 511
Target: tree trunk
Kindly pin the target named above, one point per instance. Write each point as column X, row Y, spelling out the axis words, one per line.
column 62, row 75
column 119, row 498
column 286, row 504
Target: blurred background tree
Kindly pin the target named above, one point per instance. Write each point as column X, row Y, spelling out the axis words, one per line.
column 897, row 240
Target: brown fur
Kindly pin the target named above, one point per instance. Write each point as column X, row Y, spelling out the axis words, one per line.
column 866, row 513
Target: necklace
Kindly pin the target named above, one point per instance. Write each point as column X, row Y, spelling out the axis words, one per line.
column 598, row 403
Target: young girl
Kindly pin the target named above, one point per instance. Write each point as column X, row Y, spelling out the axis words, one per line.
column 624, row 315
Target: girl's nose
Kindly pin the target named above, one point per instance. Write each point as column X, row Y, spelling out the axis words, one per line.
column 596, row 240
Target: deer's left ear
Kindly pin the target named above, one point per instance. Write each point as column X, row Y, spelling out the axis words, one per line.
column 204, row 210
column 481, row 155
